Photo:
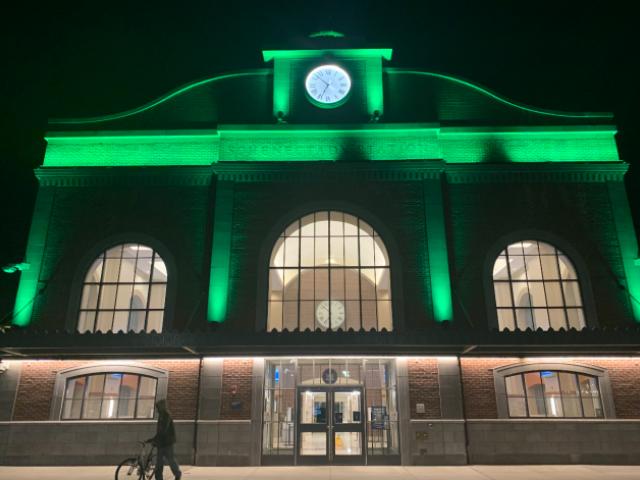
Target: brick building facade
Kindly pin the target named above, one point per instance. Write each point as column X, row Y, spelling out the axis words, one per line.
column 409, row 269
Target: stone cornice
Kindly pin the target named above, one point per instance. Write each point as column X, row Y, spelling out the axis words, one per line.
column 123, row 176
column 308, row 171
column 536, row 172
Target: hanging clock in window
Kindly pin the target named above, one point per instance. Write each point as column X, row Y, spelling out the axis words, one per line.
column 328, row 86
column 330, row 314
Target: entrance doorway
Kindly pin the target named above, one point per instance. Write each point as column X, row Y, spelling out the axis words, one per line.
column 330, row 426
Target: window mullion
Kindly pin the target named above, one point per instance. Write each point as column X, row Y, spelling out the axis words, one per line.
column 564, row 300
column 299, row 279
column 359, row 275
column 329, row 266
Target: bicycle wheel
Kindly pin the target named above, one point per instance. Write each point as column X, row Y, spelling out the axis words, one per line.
column 128, row 470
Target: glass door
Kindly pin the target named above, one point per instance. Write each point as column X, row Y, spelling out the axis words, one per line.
column 313, row 426
column 347, row 428
column 330, row 426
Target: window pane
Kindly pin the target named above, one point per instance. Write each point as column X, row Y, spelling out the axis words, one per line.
column 352, row 309
column 515, row 249
column 576, row 318
column 86, row 322
column 369, row 317
column 566, row 268
column 383, row 290
column 307, row 285
column 516, row 268
column 157, row 296
column 535, row 394
column 143, row 270
column 384, row 315
column 336, row 220
column 89, row 296
column 351, row 251
column 322, row 224
column 154, row 321
column 351, row 225
column 128, row 393
column 307, row 315
column 541, row 318
column 73, row 398
column 110, row 397
column 500, row 271
column 307, row 226
column 137, row 320
column 570, row 394
column 127, row 270
column 93, row 396
column 380, row 253
column 145, row 408
column 94, row 273
column 108, row 297
column 551, row 388
column 291, row 252
column 290, row 284
column 367, row 284
column 517, row 407
column 111, row 270
column 521, row 295
column 514, row 385
column 276, row 283
column 557, row 318
column 524, row 318
column 572, row 294
column 275, row 316
column 159, row 270
column 277, row 255
column 554, row 295
column 505, row 319
column 322, row 283
column 336, row 246
column 534, row 270
column 352, row 284
column 123, row 298
column 322, row 252
column 105, row 321
column 549, row 267
column 337, row 284
column 366, row 251
column 139, row 296
column 120, row 322
column 307, row 255
column 290, row 315
column 536, row 291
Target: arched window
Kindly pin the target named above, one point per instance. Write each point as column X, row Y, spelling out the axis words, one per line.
column 124, row 290
column 552, row 393
column 111, row 395
column 536, row 286
column 327, row 270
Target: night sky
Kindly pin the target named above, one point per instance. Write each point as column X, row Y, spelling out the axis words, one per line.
column 98, row 57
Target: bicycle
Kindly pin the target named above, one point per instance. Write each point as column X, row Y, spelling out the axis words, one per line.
column 141, row 467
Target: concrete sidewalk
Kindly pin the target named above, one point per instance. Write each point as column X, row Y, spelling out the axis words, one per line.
column 474, row 472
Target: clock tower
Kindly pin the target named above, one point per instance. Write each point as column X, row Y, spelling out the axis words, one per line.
column 328, row 85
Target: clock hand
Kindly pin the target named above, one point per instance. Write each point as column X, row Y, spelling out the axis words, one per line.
column 318, row 77
column 325, row 89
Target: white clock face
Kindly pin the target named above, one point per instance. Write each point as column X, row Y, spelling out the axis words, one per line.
column 330, row 309
column 328, row 85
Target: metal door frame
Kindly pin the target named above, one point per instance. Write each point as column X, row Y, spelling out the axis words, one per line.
column 328, row 428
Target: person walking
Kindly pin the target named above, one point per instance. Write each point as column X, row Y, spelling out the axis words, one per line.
column 164, row 439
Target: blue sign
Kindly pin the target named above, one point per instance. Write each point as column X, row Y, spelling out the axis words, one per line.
column 378, row 417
